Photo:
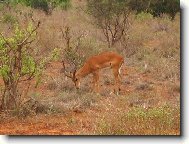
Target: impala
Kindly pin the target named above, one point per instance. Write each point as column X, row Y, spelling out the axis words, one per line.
column 94, row 64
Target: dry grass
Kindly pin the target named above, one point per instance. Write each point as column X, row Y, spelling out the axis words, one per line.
column 158, row 49
column 163, row 120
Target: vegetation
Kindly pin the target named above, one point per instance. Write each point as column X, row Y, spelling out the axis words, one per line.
column 156, row 7
column 17, row 64
column 139, row 121
column 37, row 97
column 46, row 5
column 111, row 16
column 72, row 49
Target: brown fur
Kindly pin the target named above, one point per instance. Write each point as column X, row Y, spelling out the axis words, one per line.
column 95, row 63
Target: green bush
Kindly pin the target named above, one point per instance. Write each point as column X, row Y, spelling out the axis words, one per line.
column 17, row 63
column 37, row 4
column 156, row 7
column 63, row 4
column 45, row 5
column 144, row 16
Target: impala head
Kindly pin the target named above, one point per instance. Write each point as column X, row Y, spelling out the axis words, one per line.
column 72, row 75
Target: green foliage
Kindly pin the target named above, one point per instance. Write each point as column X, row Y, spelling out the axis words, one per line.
column 7, row 59
column 4, row 71
column 144, row 16
column 156, row 7
column 37, row 4
column 17, row 63
column 7, row 18
column 28, row 64
column 44, row 5
column 56, row 54
column 63, row 4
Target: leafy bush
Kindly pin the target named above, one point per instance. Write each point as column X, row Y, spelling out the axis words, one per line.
column 144, row 16
column 45, row 5
column 63, row 4
column 156, row 7
column 17, row 63
column 38, row 4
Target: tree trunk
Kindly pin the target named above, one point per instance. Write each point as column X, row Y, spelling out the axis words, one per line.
column 8, row 101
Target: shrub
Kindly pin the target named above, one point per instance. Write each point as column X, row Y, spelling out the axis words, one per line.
column 45, row 5
column 63, row 4
column 156, row 7
column 17, row 63
column 144, row 16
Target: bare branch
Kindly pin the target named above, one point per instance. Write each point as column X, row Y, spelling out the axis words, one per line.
column 64, row 70
column 66, row 35
column 29, row 42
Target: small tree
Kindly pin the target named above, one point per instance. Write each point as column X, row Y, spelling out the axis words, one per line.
column 17, row 64
column 111, row 16
column 73, row 52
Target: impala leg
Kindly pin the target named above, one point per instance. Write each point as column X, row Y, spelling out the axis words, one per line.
column 119, row 70
column 96, row 81
column 117, row 79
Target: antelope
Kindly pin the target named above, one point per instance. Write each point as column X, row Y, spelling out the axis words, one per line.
column 93, row 65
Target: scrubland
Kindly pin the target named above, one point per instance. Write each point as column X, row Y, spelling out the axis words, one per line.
column 149, row 101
